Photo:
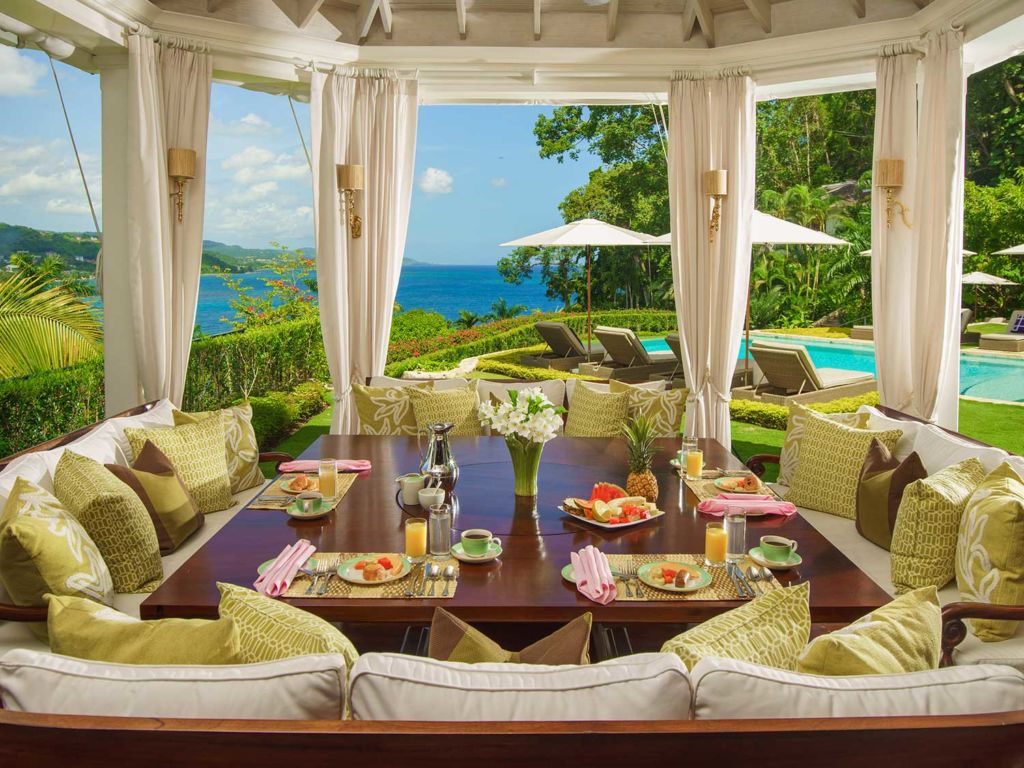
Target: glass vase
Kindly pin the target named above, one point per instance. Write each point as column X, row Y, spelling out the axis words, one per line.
column 525, row 464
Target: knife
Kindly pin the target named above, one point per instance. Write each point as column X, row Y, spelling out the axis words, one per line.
column 743, row 580
column 732, row 575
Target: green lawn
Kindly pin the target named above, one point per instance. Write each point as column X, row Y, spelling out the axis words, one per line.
column 302, row 438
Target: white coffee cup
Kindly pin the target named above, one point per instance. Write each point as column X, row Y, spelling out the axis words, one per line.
column 410, row 486
column 431, row 497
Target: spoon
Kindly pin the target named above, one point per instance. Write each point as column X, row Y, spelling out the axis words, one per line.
column 432, row 573
column 449, row 574
column 755, row 578
column 766, row 575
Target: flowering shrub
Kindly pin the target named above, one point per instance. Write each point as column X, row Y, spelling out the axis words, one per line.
column 291, row 295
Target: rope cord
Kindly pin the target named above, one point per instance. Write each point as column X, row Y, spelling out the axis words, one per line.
column 299, row 129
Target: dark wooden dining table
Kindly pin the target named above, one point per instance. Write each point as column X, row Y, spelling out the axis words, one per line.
column 524, row 584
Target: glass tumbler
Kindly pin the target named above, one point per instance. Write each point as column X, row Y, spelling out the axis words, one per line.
column 736, row 536
column 440, row 533
column 714, row 545
column 416, row 538
column 328, row 478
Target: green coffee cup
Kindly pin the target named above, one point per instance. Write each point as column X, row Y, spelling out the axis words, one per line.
column 476, row 542
column 777, row 549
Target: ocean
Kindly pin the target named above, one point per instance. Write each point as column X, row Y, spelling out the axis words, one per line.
column 444, row 289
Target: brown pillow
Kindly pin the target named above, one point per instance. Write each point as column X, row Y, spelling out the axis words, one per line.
column 880, row 490
column 174, row 512
column 452, row 639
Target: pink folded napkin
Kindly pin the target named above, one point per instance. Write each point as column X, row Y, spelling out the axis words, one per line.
column 594, row 577
column 312, row 465
column 275, row 581
column 762, row 505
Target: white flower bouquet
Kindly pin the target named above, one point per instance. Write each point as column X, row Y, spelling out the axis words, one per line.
column 526, row 420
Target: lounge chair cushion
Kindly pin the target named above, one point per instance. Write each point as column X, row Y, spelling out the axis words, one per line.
column 625, row 349
column 387, row 410
column 838, row 377
column 789, row 457
column 593, row 413
column 563, row 340
column 665, row 410
column 302, row 688
column 728, row 689
column 241, row 450
column 391, row 686
column 452, row 406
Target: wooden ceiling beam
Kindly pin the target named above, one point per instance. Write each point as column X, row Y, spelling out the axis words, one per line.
column 699, row 11
column 386, row 17
column 536, row 19
column 460, row 13
column 213, row 5
column 301, row 12
column 761, row 10
column 921, row 3
column 364, row 17
column 860, row 7
column 613, row 19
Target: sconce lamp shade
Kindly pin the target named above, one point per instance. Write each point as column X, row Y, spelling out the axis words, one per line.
column 716, row 183
column 181, row 163
column 889, row 172
column 350, row 177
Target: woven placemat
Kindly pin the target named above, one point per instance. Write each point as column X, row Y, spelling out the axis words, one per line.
column 275, row 497
column 720, row 588
column 339, row 588
column 705, row 489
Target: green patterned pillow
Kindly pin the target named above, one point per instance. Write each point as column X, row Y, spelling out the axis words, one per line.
column 240, row 447
column 197, row 452
column 990, row 550
column 448, row 406
column 770, row 630
column 269, row 629
column 831, row 458
column 665, row 409
column 386, row 410
column 593, row 413
column 116, row 519
column 87, row 630
column 45, row 550
column 902, row 636
column 924, row 538
column 789, row 457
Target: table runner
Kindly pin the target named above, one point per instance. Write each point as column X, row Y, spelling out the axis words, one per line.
column 705, row 489
column 339, row 588
column 279, row 499
column 720, row 588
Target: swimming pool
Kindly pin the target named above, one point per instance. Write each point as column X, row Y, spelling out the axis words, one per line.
column 984, row 376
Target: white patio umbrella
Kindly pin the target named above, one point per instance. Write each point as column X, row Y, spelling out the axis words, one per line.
column 584, row 233
column 983, row 278
column 1016, row 250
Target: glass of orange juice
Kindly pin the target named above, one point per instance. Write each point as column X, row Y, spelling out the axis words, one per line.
column 328, row 478
column 416, row 538
column 693, row 458
column 715, row 545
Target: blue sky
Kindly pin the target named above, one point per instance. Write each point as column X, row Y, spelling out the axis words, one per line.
column 479, row 179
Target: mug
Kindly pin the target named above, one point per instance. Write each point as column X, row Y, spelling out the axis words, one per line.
column 309, row 501
column 411, row 484
column 477, row 541
column 430, row 497
column 778, row 549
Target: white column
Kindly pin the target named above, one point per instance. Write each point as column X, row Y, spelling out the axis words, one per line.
column 121, row 385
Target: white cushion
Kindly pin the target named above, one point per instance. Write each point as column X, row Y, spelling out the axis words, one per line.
column 728, row 689
column 439, row 384
column 300, row 688
column 32, row 467
column 101, row 444
column 570, row 387
column 553, row 389
column 160, row 415
column 388, row 686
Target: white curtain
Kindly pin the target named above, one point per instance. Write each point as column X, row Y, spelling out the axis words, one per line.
column 368, row 119
column 711, row 126
column 168, row 103
column 892, row 264
column 938, row 232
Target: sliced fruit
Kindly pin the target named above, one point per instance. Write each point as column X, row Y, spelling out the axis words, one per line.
column 602, row 512
column 625, row 500
column 606, row 492
column 750, row 483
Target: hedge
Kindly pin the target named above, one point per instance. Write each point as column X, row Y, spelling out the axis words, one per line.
column 274, row 414
column 772, row 416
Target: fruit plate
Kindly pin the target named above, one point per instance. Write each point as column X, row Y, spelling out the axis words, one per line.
column 348, row 571
column 613, row 526
column 699, row 577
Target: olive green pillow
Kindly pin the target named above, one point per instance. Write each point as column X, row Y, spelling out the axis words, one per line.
column 45, row 550
column 452, row 639
column 883, row 478
column 172, row 509
column 387, row 410
column 789, row 456
column 270, row 629
column 990, row 550
column 448, row 406
column 902, row 636
column 241, row 450
column 87, row 630
column 831, row 457
column 770, row 630
column 665, row 409
column 593, row 413
column 198, row 455
column 924, row 539
column 115, row 518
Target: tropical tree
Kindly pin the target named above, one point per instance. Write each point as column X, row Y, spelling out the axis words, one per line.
column 502, row 310
column 467, row 319
column 42, row 328
column 289, row 295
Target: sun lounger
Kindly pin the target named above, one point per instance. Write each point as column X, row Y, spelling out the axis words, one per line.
column 1010, row 341
column 791, row 376
column 626, row 358
column 566, row 349
column 741, row 376
column 867, row 332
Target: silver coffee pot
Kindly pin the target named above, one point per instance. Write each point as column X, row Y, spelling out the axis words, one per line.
column 438, row 463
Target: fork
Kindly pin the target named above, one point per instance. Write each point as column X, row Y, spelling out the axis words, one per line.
column 625, row 576
column 635, row 576
column 329, row 571
column 320, row 570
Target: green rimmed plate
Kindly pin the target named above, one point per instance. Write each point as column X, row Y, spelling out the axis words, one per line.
column 699, row 577
column 348, row 571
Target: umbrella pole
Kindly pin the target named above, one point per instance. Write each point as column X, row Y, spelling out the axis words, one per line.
column 589, row 354
column 746, row 346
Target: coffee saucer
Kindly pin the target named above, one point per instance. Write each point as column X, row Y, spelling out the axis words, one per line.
column 493, row 552
column 758, row 557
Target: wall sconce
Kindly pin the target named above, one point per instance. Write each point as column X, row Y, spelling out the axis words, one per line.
column 181, row 167
column 350, row 179
column 716, row 186
column 889, row 176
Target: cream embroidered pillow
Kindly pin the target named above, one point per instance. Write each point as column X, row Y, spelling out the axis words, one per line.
column 831, row 458
column 387, row 410
column 448, row 406
column 770, row 630
column 198, row 455
column 593, row 413
column 924, row 538
column 990, row 550
column 240, row 447
column 789, row 457
column 664, row 409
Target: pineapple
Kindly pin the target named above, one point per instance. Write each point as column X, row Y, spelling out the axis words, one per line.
column 639, row 435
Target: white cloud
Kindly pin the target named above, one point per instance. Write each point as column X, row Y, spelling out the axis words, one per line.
column 499, row 182
column 62, row 205
column 253, row 193
column 272, row 219
column 41, row 177
column 248, row 125
column 18, row 73
column 255, row 164
column 435, row 181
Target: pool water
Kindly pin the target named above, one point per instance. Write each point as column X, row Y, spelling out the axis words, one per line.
column 980, row 375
